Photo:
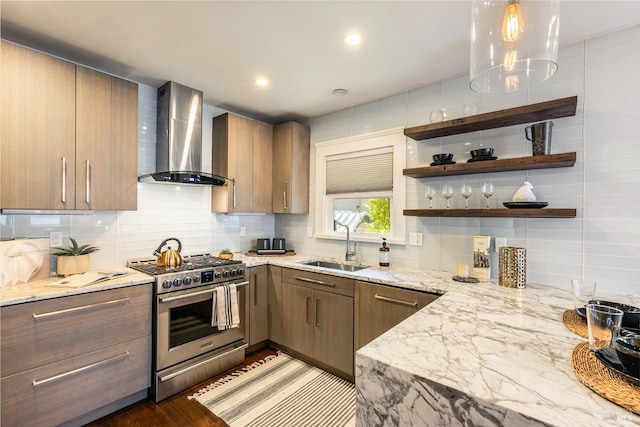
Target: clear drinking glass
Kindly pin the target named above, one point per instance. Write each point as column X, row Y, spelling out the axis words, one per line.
column 430, row 193
column 603, row 324
column 447, row 193
column 466, row 190
column 487, row 191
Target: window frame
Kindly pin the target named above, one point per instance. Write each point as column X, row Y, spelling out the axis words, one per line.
column 393, row 139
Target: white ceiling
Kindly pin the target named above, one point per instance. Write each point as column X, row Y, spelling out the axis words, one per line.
column 220, row 47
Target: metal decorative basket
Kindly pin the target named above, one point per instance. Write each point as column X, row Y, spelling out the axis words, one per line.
column 512, row 266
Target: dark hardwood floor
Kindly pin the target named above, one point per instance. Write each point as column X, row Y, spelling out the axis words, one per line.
column 176, row 410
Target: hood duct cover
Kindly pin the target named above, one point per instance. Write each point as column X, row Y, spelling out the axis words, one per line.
column 179, row 138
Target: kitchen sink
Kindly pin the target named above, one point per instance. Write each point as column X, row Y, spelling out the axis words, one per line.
column 335, row 265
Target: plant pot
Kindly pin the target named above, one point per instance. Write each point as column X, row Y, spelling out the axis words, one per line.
column 68, row 265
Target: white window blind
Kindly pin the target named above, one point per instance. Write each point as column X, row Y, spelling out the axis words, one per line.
column 360, row 174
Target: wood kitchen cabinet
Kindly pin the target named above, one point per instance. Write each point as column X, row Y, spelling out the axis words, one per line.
column 242, row 151
column 291, row 147
column 274, row 306
column 317, row 318
column 67, row 358
column 257, row 305
column 69, row 135
column 379, row 308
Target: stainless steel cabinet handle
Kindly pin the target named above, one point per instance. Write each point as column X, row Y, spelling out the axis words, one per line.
column 234, row 194
column 255, row 289
column 64, row 180
column 193, row 294
column 204, row 362
column 81, row 308
column 306, row 316
column 88, row 191
column 317, row 312
column 284, row 195
column 84, row 368
column 317, row 282
column 397, row 301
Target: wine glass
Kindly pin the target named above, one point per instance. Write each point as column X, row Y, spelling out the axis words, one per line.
column 430, row 193
column 466, row 192
column 447, row 193
column 487, row 191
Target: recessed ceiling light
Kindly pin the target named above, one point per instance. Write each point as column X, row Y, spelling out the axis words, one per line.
column 353, row 39
column 340, row 92
column 262, row 82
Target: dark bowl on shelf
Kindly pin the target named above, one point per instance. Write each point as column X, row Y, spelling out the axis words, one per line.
column 481, row 152
column 443, row 157
column 628, row 349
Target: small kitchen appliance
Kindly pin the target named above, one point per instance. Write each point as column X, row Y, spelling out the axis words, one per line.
column 187, row 348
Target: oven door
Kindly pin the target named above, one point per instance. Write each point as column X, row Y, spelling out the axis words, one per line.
column 183, row 324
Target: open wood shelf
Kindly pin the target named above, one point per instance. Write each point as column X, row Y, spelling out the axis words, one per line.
column 541, row 111
column 563, row 160
column 516, row 213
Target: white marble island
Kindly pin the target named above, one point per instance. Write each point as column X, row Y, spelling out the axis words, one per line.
column 481, row 355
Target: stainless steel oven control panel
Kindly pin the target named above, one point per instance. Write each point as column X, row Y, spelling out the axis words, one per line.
column 175, row 281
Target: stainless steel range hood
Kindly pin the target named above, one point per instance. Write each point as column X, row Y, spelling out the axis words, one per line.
column 179, row 138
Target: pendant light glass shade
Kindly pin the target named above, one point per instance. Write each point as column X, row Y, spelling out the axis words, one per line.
column 513, row 44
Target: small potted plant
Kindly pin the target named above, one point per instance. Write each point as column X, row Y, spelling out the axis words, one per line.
column 225, row 254
column 73, row 259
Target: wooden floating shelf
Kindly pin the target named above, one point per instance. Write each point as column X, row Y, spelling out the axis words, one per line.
column 564, row 107
column 516, row 213
column 563, row 160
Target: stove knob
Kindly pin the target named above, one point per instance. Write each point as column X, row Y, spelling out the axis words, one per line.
column 234, row 272
column 186, row 280
column 218, row 274
column 240, row 272
column 177, row 282
column 196, row 279
column 166, row 284
column 225, row 273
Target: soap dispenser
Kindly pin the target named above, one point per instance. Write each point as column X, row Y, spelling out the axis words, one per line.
column 384, row 256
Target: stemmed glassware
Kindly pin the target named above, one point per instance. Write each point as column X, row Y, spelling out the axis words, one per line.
column 487, row 191
column 447, row 193
column 466, row 192
column 430, row 193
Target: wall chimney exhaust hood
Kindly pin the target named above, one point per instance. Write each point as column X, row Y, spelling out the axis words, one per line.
column 179, row 139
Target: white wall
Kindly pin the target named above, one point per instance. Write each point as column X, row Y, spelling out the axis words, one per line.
column 602, row 243
column 163, row 211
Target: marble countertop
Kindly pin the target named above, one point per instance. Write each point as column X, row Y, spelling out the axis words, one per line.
column 44, row 289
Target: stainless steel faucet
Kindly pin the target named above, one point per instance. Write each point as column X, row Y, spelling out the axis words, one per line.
column 349, row 255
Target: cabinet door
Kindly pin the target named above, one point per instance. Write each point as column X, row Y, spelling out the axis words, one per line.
column 274, row 306
column 106, row 141
column 281, row 168
column 262, row 171
column 258, row 330
column 291, row 168
column 297, row 318
column 379, row 308
column 37, row 146
column 333, row 330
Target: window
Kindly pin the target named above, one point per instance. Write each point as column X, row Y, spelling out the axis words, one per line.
column 360, row 185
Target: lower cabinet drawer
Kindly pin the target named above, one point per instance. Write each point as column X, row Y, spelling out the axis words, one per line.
column 59, row 392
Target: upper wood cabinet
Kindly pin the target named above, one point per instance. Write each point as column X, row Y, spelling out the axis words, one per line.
column 242, row 150
column 291, row 168
column 69, row 135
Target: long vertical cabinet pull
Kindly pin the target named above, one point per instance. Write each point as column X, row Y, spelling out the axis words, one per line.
column 255, row 289
column 317, row 312
column 64, row 179
column 306, row 317
column 284, row 195
column 234, row 194
column 88, row 191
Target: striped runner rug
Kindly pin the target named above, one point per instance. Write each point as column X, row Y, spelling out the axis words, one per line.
column 281, row 391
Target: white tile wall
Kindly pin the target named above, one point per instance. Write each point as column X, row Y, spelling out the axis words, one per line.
column 163, row 211
column 602, row 243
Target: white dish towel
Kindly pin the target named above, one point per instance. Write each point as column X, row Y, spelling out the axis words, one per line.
column 225, row 307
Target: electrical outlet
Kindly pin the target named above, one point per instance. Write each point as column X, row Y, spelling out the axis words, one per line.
column 243, row 231
column 415, row 239
column 500, row 242
column 309, row 231
column 55, row 239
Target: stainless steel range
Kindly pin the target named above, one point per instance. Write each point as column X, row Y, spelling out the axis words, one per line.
column 187, row 348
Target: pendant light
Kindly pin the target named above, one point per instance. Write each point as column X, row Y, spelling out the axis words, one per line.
column 513, row 43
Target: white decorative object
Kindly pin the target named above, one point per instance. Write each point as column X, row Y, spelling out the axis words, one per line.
column 524, row 193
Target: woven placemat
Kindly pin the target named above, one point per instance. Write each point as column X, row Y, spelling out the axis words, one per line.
column 575, row 323
column 603, row 380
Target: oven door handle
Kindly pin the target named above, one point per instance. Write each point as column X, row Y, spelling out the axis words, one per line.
column 193, row 294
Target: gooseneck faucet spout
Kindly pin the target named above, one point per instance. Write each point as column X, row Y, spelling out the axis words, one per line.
column 350, row 254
